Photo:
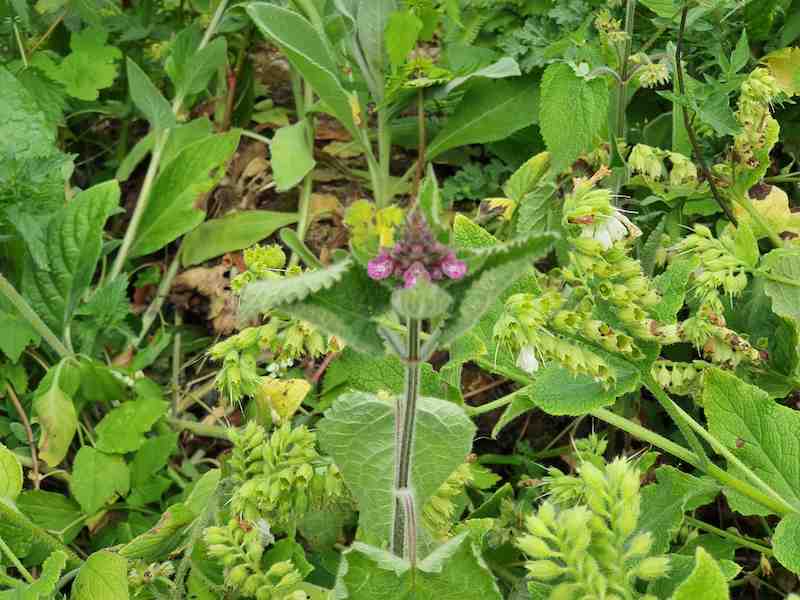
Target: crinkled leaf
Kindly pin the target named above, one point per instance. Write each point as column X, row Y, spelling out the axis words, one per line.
column 452, row 572
column 232, row 232
column 306, row 50
column 24, row 129
column 784, row 264
column 73, row 242
column 786, row 542
column 490, row 111
column 173, row 207
column 706, row 580
column 98, row 478
column 572, row 114
column 122, row 429
column 104, row 576
column 292, row 155
column 760, row 432
column 673, row 284
column 442, row 440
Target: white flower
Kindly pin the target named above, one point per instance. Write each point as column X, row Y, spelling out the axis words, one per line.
column 527, row 361
column 609, row 230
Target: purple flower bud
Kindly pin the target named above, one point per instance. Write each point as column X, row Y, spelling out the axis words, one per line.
column 453, row 268
column 414, row 273
column 381, row 266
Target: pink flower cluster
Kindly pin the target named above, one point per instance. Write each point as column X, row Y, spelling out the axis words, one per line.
column 417, row 256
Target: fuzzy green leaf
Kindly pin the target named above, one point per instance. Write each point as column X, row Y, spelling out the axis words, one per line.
column 173, row 210
column 706, row 580
column 53, row 406
column 190, row 69
column 164, row 537
column 786, row 542
column 452, row 572
column 122, row 429
column 10, row 474
column 98, row 478
column 402, row 32
column 72, row 243
column 477, row 292
column 307, row 52
column 232, row 232
column 442, row 440
column 760, row 432
column 371, row 22
column 491, row 110
column 44, row 586
column 785, row 264
column 52, row 511
column 104, row 576
column 673, row 284
column 665, row 502
column 24, row 129
column 148, row 98
column 292, row 155
column 573, row 113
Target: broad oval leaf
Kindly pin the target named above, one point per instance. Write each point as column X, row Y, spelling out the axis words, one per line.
column 292, row 155
column 148, row 98
column 10, row 474
column 786, row 543
column 232, row 232
column 104, row 576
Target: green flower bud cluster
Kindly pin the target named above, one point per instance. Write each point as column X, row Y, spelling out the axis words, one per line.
column 648, row 162
column 651, row 74
column 758, row 92
column 679, row 378
column 719, row 267
column 281, row 477
column 723, row 346
column 591, row 550
column 262, row 262
column 239, row 546
column 142, row 575
column 439, row 511
column 609, row 28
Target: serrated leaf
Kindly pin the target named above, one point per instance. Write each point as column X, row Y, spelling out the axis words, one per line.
column 307, row 52
column 292, row 155
column 122, row 429
column 786, row 542
column 785, row 295
column 442, row 440
column 706, row 580
column 148, row 99
column 98, row 478
column 664, row 503
column 423, row 301
column 104, row 576
column 452, row 572
column 491, row 110
column 402, row 31
column 17, row 335
column 24, row 129
column 572, row 113
column 172, row 210
column 89, row 68
column 10, row 474
column 477, row 292
column 52, row 511
column 234, row 231
column 673, row 284
column 44, row 586
column 758, row 431
column 73, row 242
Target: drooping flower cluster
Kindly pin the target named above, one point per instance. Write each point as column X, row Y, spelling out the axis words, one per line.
column 719, row 267
column 416, row 257
column 759, row 130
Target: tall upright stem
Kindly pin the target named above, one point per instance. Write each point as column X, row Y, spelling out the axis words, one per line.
column 383, row 194
column 404, row 523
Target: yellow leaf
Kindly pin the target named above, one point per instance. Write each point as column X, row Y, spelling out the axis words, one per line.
column 785, row 67
column 508, row 206
column 282, row 396
column 355, row 108
column 776, row 212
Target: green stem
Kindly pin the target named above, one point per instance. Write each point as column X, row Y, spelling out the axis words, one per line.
column 474, row 411
column 154, row 309
column 15, row 561
column 404, row 521
column 304, row 203
column 201, row 429
column 383, row 193
column 24, row 309
column 745, row 202
column 739, row 539
column 776, row 278
column 622, row 86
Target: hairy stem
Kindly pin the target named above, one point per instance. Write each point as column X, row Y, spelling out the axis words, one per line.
column 12, row 558
column 24, row 309
column 23, row 417
column 154, row 309
column 739, row 539
column 303, row 99
column 404, row 524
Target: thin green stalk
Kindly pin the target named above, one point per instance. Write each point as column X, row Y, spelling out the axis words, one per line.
column 164, row 286
column 746, row 203
column 774, row 277
column 622, row 86
column 303, row 100
column 24, row 309
column 740, row 540
column 404, row 522
column 15, row 561
column 201, row 429
column 161, row 140
column 383, row 192
column 474, row 411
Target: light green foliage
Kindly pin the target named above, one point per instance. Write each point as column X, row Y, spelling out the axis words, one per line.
column 173, row 209
column 45, row 585
column 786, row 542
column 491, row 110
column 72, row 242
column 17, row 335
column 784, row 263
column 442, row 441
column 189, row 69
column 452, row 572
column 89, row 68
column 234, row 231
column 10, row 474
column 104, row 576
column 53, row 405
column 572, row 113
column 98, row 478
column 122, row 429
column 705, row 581
column 760, row 432
column 402, row 31
column 148, row 99
column 25, row 130
column 291, row 155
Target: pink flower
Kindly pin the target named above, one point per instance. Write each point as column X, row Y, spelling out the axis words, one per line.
column 414, row 273
column 453, row 268
column 380, row 267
